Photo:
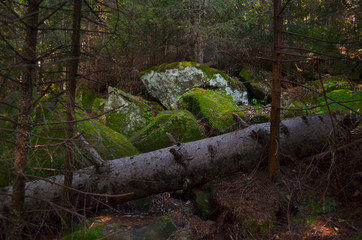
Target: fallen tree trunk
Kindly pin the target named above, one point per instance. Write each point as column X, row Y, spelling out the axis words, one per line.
column 183, row 165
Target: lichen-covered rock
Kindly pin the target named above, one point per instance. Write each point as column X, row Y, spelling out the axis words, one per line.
column 168, row 82
column 131, row 115
column 181, row 124
column 213, row 108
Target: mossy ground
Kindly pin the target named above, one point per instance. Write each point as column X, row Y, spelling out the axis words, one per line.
column 213, row 108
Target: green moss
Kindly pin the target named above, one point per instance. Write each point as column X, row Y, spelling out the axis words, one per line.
column 98, row 106
column 330, row 84
column 180, row 124
column 359, row 237
column 88, row 234
column 213, row 108
column 342, row 95
column 86, row 96
column 108, row 143
column 131, row 117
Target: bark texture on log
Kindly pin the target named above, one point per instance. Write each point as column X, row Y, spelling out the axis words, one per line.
column 185, row 165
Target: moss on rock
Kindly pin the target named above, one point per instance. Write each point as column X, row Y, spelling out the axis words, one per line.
column 86, row 96
column 213, row 108
column 350, row 99
column 330, row 84
column 181, row 124
column 168, row 82
column 131, row 115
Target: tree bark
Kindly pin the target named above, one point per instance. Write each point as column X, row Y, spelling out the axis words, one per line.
column 273, row 162
column 184, row 165
column 70, row 126
column 23, row 124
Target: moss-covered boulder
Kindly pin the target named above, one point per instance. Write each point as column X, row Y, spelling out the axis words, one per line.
column 107, row 142
column 329, row 84
column 181, row 124
column 131, row 115
column 215, row 109
column 46, row 157
column 350, row 100
column 168, row 82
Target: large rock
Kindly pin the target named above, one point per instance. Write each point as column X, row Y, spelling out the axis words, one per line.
column 168, row 82
column 46, row 157
column 212, row 108
column 258, row 89
column 181, row 124
column 131, row 115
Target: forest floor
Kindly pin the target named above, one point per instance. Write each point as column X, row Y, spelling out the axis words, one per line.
column 318, row 199
column 315, row 198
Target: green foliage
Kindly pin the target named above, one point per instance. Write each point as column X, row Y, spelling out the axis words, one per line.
column 359, row 237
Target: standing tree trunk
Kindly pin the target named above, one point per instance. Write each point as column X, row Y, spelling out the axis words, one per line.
column 23, row 126
column 273, row 164
column 72, row 77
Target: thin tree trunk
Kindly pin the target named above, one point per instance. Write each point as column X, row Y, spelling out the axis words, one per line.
column 23, row 127
column 72, row 78
column 273, row 164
